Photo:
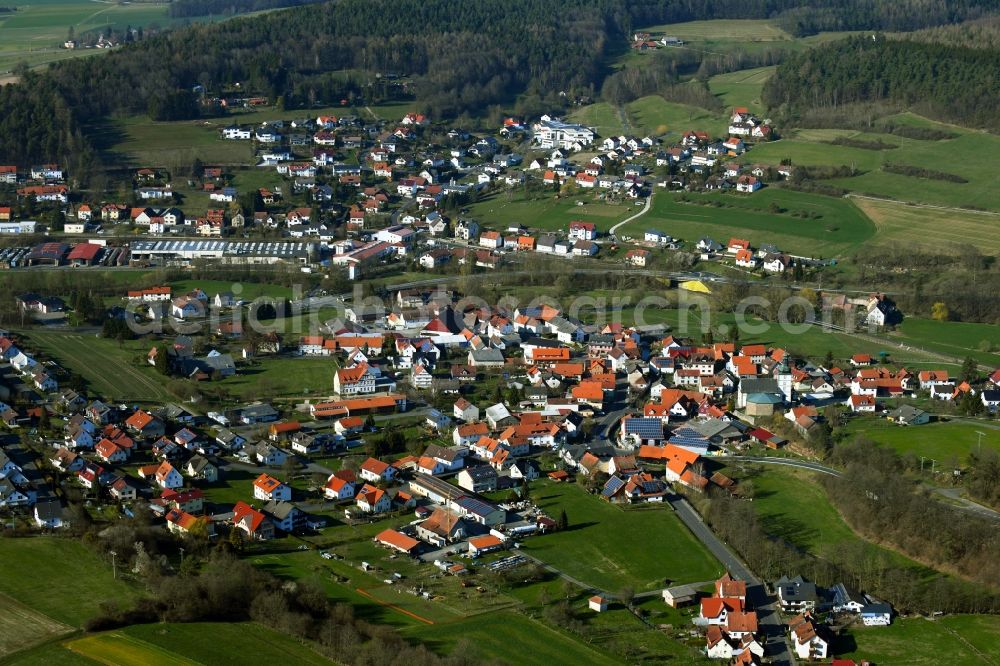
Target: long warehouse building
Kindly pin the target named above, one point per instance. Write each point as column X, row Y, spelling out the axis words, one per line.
column 232, row 252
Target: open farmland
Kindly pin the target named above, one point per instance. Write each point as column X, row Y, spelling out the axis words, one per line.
column 76, row 581
column 741, row 88
column 21, row 627
column 961, row 640
column 224, row 643
column 506, row 628
column 723, row 31
column 549, row 213
column 974, row 156
column 955, row 338
column 140, row 142
column 602, row 116
column 107, row 367
column 942, row 441
column 602, row 548
column 655, row 116
column 274, row 377
column 839, row 228
column 932, row 225
column 36, row 31
column 194, row 643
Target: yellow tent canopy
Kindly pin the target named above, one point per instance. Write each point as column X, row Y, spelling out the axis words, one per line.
column 695, row 285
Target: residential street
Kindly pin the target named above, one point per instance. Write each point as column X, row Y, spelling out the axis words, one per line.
column 767, row 615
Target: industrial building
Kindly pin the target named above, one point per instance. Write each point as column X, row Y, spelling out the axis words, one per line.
column 232, row 252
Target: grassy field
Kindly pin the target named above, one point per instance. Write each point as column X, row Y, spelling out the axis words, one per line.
column 108, row 369
column 741, row 88
column 123, row 650
column 972, row 155
column 654, row 115
column 59, row 578
column 932, row 225
column 22, row 627
column 602, row 116
column 962, row 640
column 795, row 507
column 508, row 628
column 723, row 30
column 840, row 228
column 36, row 31
column 954, row 338
column 276, row 377
column 196, row 643
column 234, row 485
column 140, row 142
column 549, row 213
column 940, row 441
column 610, row 548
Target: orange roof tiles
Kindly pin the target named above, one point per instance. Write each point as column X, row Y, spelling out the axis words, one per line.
column 397, row 540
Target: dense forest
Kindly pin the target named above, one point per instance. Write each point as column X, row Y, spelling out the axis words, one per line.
column 982, row 33
column 810, row 17
column 452, row 56
column 191, row 8
column 951, row 83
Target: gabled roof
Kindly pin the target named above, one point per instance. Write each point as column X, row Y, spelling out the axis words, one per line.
column 267, row 483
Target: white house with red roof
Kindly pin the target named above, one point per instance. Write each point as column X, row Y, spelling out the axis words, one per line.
column 358, row 380
column 747, row 183
column 338, row 489
column 373, row 500
column 375, row 470
column 255, row 524
column 580, row 230
column 266, row 487
column 167, row 476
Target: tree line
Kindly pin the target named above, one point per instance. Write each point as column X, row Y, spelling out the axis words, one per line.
column 192, row 8
column 919, row 275
column 878, row 501
column 451, row 57
column 951, row 83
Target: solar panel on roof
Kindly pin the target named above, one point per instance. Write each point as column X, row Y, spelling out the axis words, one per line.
column 613, row 485
column 646, row 428
column 473, row 505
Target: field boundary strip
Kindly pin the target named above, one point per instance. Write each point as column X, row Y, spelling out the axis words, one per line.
column 393, row 606
column 118, row 649
column 21, row 621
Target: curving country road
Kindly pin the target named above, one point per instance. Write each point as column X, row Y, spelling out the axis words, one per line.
column 645, row 209
column 952, row 496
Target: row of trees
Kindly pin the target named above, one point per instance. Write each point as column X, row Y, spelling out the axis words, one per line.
column 956, row 282
column 878, row 500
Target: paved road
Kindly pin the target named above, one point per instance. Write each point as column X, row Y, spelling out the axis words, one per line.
column 788, row 462
column 767, row 615
column 953, row 495
column 645, row 209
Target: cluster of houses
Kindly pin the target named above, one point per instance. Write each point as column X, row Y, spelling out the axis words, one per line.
column 644, row 41
column 872, row 384
column 394, row 169
column 810, row 637
column 731, row 624
column 44, row 183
